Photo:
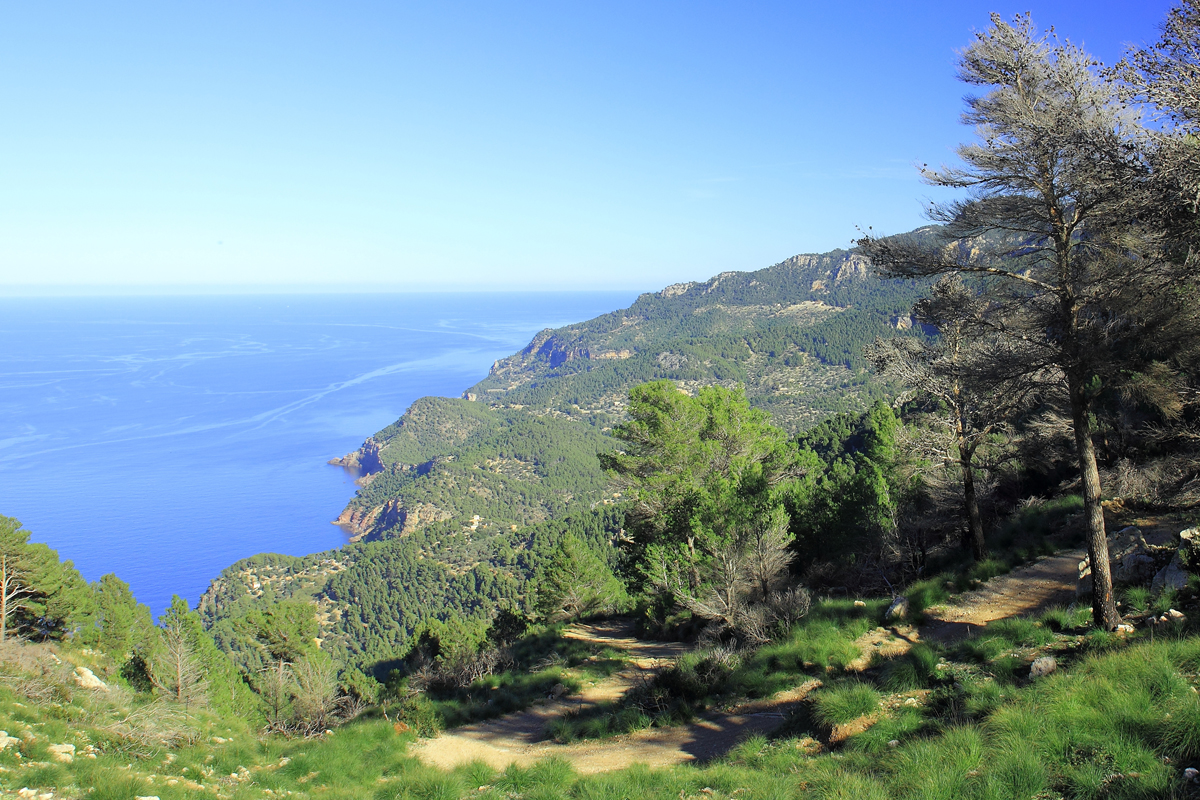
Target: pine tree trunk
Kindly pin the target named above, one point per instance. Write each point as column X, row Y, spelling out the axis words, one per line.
column 1104, row 608
column 971, row 501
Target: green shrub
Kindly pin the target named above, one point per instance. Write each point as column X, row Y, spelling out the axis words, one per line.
column 923, row 594
column 420, row 714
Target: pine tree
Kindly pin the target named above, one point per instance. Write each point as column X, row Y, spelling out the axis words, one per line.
column 1052, row 228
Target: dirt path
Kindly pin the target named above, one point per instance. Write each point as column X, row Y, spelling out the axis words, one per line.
column 518, row 738
column 1024, row 591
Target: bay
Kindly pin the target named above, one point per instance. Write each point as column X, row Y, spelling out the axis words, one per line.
column 164, row 438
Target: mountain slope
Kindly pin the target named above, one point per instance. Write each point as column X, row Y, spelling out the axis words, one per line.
column 463, row 501
column 522, row 441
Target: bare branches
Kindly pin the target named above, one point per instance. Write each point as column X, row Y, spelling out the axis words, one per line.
column 175, row 670
column 13, row 590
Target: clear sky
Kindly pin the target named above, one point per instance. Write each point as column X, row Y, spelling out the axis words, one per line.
column 356, row 145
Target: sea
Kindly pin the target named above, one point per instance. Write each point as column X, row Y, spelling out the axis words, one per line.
column 164, row 438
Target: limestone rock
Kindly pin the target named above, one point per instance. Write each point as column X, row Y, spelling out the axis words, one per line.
column 859, row 604
column 62, row 752
column 86, row 679
column 1172, row 576
column 1135, row 568
column 898, row 608
column 6, row 740
column 1041, row 667
column 1132, row 561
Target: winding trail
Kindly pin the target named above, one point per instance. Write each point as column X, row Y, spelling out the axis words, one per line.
column 1025, row 591
column 519, row 738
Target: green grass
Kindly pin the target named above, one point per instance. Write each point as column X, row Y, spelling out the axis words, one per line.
column 1104, row 728
column 544, row 659
column 837, row 705
column 822, row 645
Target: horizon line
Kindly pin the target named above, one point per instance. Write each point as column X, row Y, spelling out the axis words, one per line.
column 211, row 290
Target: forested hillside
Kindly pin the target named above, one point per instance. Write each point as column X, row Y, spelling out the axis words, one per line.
column 512, row 449
column 464, row 502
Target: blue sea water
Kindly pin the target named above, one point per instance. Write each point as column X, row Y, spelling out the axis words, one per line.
column 164, row 438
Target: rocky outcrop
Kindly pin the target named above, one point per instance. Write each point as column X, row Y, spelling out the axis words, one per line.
column 362, row 462
column 391, row 515
column 1135, row 562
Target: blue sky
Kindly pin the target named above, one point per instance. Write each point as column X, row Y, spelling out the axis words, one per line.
column 352, row 145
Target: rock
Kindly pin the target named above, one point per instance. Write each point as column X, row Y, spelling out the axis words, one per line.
column 1124, row 627
column 1191, row 774
column 859, row 604
column 1132, row 561
column 1135, row 568
column 898, row 608
column 86, row 679
column 1041, row 667
column 1173, row 614
column 62, row 752
column 146, row 797
column 1172, row 576
column 6, row 740
column 1189, row 549
column 894, row 743
column 26, row 792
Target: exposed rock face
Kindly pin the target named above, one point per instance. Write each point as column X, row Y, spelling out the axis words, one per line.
column 363, row 461
column 391, row 515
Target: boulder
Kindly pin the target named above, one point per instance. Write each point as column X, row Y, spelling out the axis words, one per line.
column 1041, row 667
column 1132, row 561
column 86, row 679
column 1172, row 576
column 1135, row 568
column 898, row 608
column 6, row 740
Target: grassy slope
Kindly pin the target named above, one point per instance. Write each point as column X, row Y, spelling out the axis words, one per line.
column 1122, row 720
